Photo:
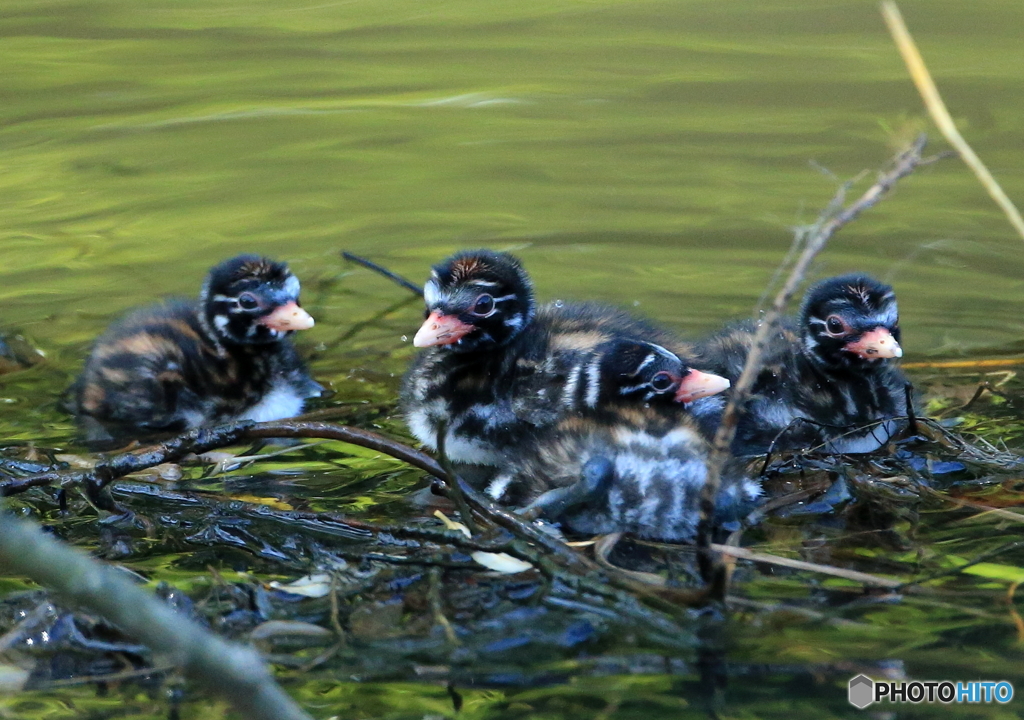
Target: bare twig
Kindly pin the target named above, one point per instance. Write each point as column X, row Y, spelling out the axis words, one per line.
column 998, row 362
column 532, row 544
column 351, row 435
column 863, row 578
column 393, row 276
column 205, row 439
column 908, row 397
column 451, row 478
column 357, row 328
column 987, row 555
column 813, row 241
column 229, row 670
column 437, row 606
column 940, row 115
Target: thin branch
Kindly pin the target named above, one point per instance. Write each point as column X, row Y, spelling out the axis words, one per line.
column 204, row 439
column 358, row 327
column 451, row 478
column 226, row 669
column 940, row 115
column 987, row 555
column 350, row 435
column 908, row 399
column 533, row 545
column 817, row 237
column 998, row 362
column 392, row 276
column 863, row 578
column 437, row 606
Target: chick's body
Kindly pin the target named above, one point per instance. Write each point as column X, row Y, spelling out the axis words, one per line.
column 645, row 471
column 828, row 380
column 184, row 364
column 497, row 370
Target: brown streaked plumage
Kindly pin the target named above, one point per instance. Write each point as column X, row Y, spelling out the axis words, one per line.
column 829, row 380
column 639, row 471
column 183, row 364
column 496, row 369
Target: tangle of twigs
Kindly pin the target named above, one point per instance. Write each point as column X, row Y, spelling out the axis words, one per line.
column 812, row 239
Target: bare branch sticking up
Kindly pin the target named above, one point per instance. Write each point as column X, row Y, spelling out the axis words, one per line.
column 813, row 239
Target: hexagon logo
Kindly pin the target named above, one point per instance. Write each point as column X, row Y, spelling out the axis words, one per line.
column 861, row 691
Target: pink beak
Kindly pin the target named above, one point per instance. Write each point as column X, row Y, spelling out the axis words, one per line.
column 288, row 317
column 875, row 345
column 440, row 329
column 699, row 384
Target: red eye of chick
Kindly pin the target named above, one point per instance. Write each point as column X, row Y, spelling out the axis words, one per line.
column 662, row 381
column 248, row 301
column 835, row 325
column 484, row 305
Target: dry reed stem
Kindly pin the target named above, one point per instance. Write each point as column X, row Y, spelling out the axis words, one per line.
column 997, row 362
column 863, row 578
column 940, row 115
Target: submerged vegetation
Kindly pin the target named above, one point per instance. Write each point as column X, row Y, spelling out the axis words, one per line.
column 372, row 591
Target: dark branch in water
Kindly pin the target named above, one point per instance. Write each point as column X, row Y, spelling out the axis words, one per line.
column 908, row 394
column 548, row 553
column 346, row 434
column 204, row 439
column 392, row 276
column 226, row 669
column 451, row 478
column 812, row 239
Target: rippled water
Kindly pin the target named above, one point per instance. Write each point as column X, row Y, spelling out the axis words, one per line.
column 649, row 154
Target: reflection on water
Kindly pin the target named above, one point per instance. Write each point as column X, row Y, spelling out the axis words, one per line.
column 653, row 154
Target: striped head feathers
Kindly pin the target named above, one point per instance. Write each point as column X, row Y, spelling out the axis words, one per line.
column 851, row 321
column 252, row 300
column 636, row 371
column 476, row 300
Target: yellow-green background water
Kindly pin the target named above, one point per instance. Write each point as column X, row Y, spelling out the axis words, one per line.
column 645, row 153
column 653, row 154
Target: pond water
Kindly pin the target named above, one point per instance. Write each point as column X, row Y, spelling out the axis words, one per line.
column 649, row 154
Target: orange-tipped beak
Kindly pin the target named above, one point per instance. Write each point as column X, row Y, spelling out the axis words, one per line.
column 440, row 329
column 288, row 317
column 699, row 384
column 875, row 345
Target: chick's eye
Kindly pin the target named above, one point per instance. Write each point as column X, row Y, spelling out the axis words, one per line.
column 248, row 301
column 484, row 305
column 662, row 382
column 835, row 325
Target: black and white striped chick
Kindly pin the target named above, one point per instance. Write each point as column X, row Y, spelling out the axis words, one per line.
column 829, row 379
column 627, row 372
column 640, row 472
column 184, row 364
column 497, row 370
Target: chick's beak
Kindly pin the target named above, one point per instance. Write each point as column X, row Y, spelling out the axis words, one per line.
column 440, row 329
column 288, row 317
column 697, row 384
column 875, row 345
